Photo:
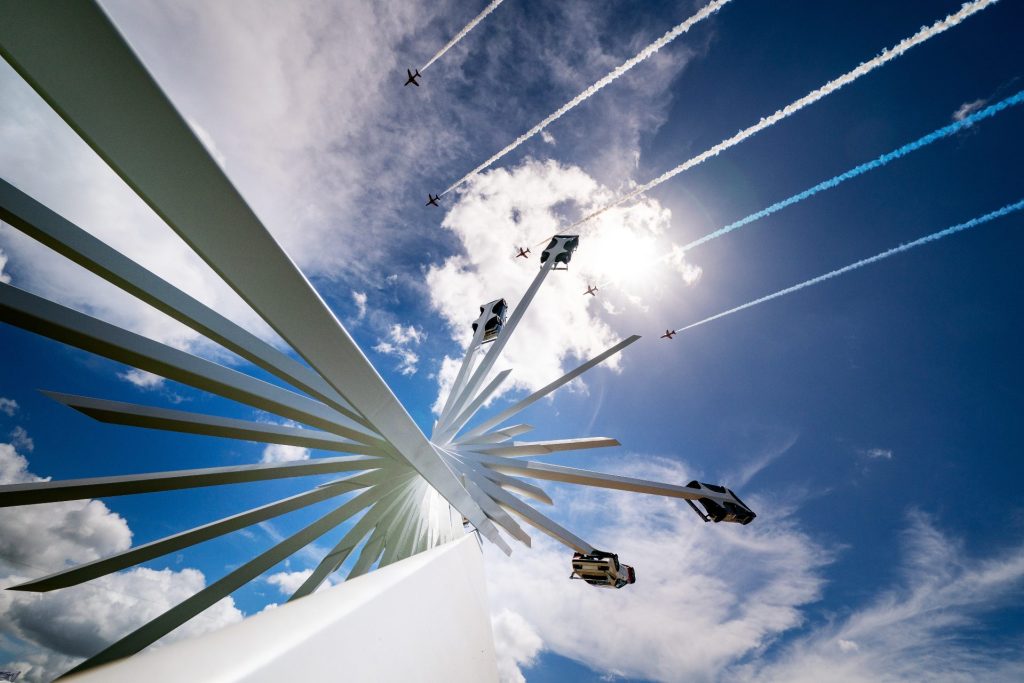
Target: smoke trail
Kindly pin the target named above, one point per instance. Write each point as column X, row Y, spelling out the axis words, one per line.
column 974, row 222
column 884, row 159
column 462, row 34
column 682, row 28
column 865, row 68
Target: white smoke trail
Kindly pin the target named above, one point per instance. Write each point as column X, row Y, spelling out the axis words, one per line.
column 867, row 67
column 974, row 222
column 462, row 34
column 679, row 30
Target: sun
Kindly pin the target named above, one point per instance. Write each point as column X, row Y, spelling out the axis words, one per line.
column 622, row 257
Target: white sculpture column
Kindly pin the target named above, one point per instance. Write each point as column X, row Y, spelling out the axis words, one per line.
column 423, row 618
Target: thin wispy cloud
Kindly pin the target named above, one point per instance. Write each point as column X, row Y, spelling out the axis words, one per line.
column 359, row 298
column 491, row 6
column 8, row 406
column 968, row 108
column 399, row 343
column 925, row 626
column 708, row 10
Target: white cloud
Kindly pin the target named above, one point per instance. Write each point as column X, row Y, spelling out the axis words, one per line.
column 516, row 644
column 877, row 453
column 722, row 602
column 208, row 142
column 706, row 595
column 4, row 277
column 44, row 158
column 360, row 299
column 45, row 536
column 398, row 342
column 21, row 439
column 141, row 378
column 276, row 452
column 780, row 446
column 44, row 634
column 847, row 645
column 621, row 252
column 689, row 272
column 547, row 137
column 925, row 628
column 289, row 582
column 968, row 108
column 272, row 86
column 8, row 406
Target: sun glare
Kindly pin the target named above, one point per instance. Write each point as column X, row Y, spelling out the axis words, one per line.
column 622, row 258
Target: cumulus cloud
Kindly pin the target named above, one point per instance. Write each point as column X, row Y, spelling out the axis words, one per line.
column 968, row 108
column 516, row 644
column 547, row 137
column 8, row 406
column 706, row 595
column 271, row 85
column 398, row 343
column 141, row 378
column 926, row 627
column 289, row 582
column 621, row 252
column 44, row 634
column 689, row 272
column 45, row 536
column 276, row 452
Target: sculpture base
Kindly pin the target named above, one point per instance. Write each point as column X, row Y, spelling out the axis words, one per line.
column 424, row 618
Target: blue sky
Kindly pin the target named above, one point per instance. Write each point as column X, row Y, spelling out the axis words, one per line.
column 871, row 421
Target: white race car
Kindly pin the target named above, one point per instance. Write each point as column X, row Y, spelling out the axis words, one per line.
column 602, row 569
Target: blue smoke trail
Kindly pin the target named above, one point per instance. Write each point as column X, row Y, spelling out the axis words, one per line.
column 903, row 151
column 974, row 222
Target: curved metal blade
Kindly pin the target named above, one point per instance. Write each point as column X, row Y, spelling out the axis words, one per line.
column 179, row 614
column 42, row 316
column 76, row 60
column 159, row 548
column 67, row 239
column 151, row 417
column 100, row 487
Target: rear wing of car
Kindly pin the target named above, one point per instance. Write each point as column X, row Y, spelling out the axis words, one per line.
column 724, row 507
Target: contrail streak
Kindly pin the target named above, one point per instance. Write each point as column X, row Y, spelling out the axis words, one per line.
column 682, row 28
column 974, row 222
column 462, row 34
column 867, row 67
column 884, row 159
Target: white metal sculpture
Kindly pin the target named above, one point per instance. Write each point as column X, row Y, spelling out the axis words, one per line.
column 414, row 492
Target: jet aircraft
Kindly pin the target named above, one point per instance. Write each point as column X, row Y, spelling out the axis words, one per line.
column 668, row 334
column 523, row 253
column 432, row 199
column 412, row 77
column 591, row 290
